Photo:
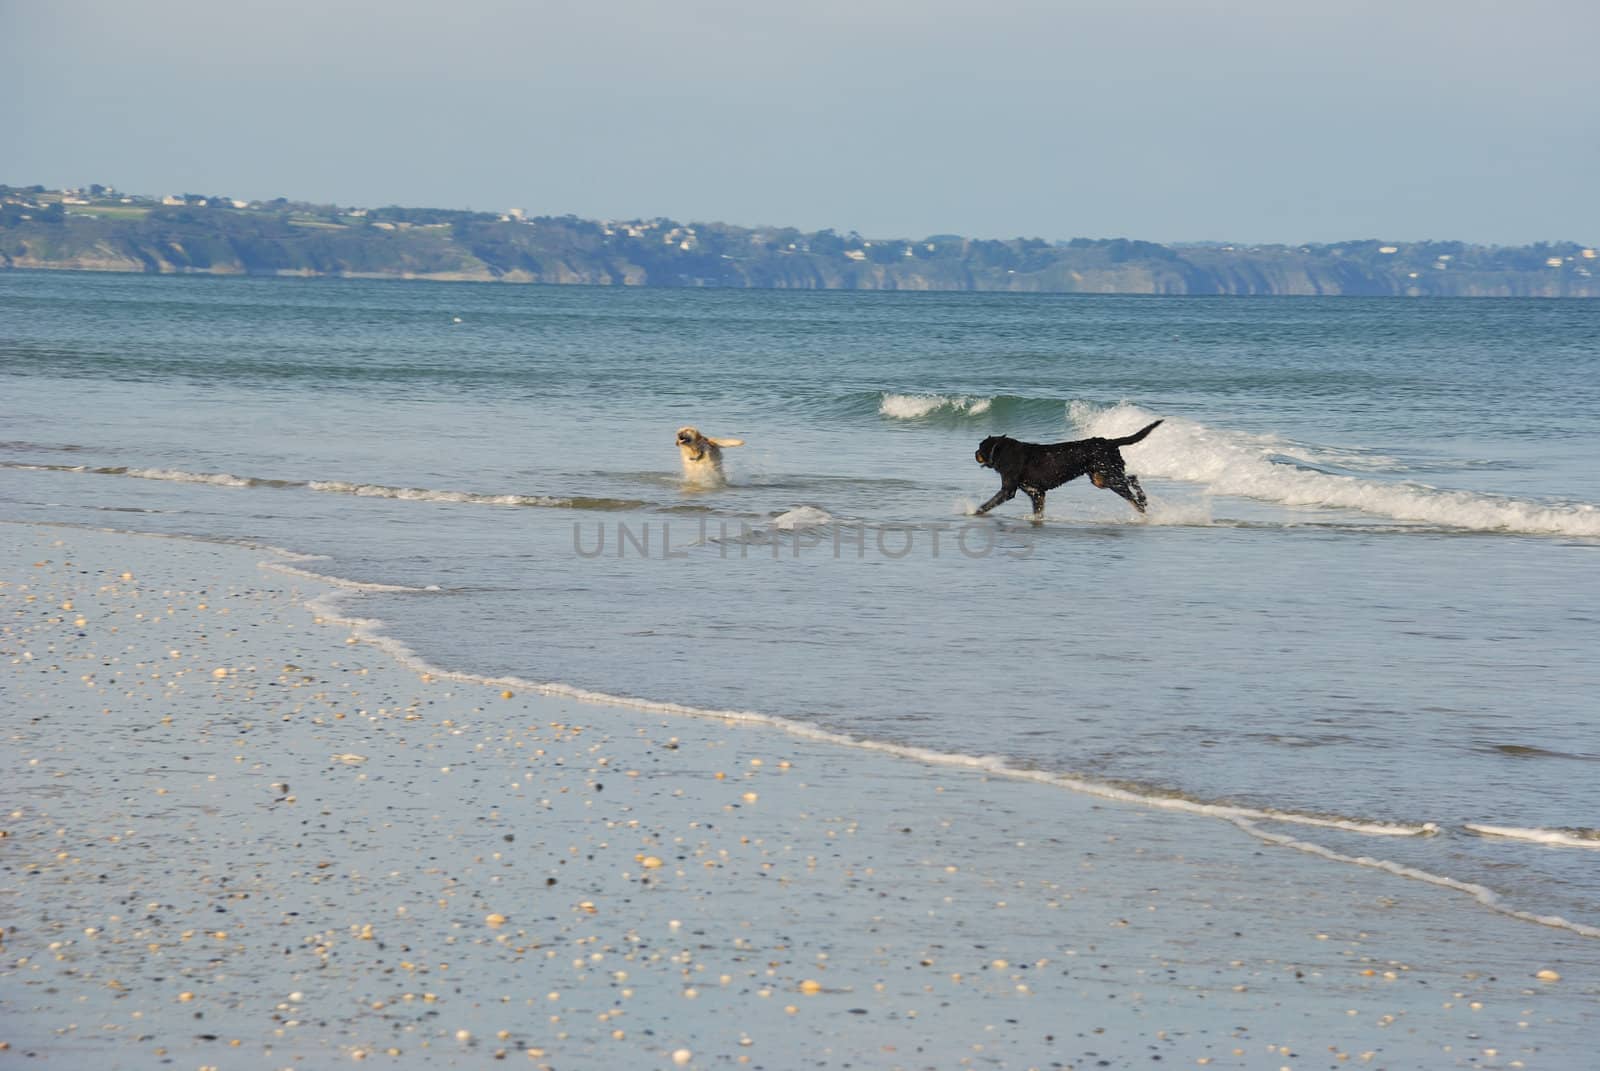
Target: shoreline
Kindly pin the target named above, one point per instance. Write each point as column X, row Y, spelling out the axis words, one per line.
column 242, row 831
column 1249, row 819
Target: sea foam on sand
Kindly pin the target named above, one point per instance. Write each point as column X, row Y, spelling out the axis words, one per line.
column 237, row 836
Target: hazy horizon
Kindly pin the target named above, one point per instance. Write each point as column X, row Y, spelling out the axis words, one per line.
column 1282, row 123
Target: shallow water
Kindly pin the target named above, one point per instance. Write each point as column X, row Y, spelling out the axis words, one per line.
column 1365, row 590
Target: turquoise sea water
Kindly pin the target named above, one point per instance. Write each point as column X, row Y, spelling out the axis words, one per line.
column 1362, row 613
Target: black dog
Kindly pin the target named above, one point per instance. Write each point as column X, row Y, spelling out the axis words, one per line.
column 1037, row 467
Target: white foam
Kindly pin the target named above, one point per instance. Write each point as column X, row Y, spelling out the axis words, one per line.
column 1555, row 838
column 425, row 494
column 217, row 479
column 1240, row 464
column 347, row 585
column 917, row 406
column 802, row 517
column 1487, row 897
column 341, row 487
column 1180, row 511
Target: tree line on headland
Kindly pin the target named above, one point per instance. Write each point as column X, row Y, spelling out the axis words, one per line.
column 99, row 229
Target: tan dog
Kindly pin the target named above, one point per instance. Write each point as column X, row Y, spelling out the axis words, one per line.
column 702, row 457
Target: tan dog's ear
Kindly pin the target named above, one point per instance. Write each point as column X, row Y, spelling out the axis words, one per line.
column 726, row 442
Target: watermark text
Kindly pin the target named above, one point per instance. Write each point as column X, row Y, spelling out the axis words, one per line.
column 739, row 540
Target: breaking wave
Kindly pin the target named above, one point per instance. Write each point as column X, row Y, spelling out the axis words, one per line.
column 1272, row 470
column 918, row 406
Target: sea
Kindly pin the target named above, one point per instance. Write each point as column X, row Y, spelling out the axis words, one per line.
column 1361, row 617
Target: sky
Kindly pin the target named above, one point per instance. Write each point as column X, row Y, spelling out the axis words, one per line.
column 1249, row 121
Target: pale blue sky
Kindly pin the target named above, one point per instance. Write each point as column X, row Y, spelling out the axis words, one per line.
column 1249, row 121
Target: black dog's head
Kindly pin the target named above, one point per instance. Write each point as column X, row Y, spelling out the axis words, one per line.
column 989, row 447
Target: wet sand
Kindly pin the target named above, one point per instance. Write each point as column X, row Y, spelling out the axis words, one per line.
column 238, row 836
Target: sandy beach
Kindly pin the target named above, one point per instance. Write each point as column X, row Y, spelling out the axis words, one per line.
column 238, row 834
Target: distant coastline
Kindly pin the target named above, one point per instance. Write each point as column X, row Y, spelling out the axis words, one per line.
column 98, row 228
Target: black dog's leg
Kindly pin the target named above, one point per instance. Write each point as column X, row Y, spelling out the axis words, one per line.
column 1139, row 501
column 1006, row 493
column 1128, row 487
column 1037, row 498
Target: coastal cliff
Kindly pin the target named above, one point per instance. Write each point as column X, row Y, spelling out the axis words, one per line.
column 39, row 230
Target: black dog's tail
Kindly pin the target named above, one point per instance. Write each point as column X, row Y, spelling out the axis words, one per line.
column 1129, row 440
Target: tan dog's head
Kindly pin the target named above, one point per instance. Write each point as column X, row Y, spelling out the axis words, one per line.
column 692, row 444
column 702, row 455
